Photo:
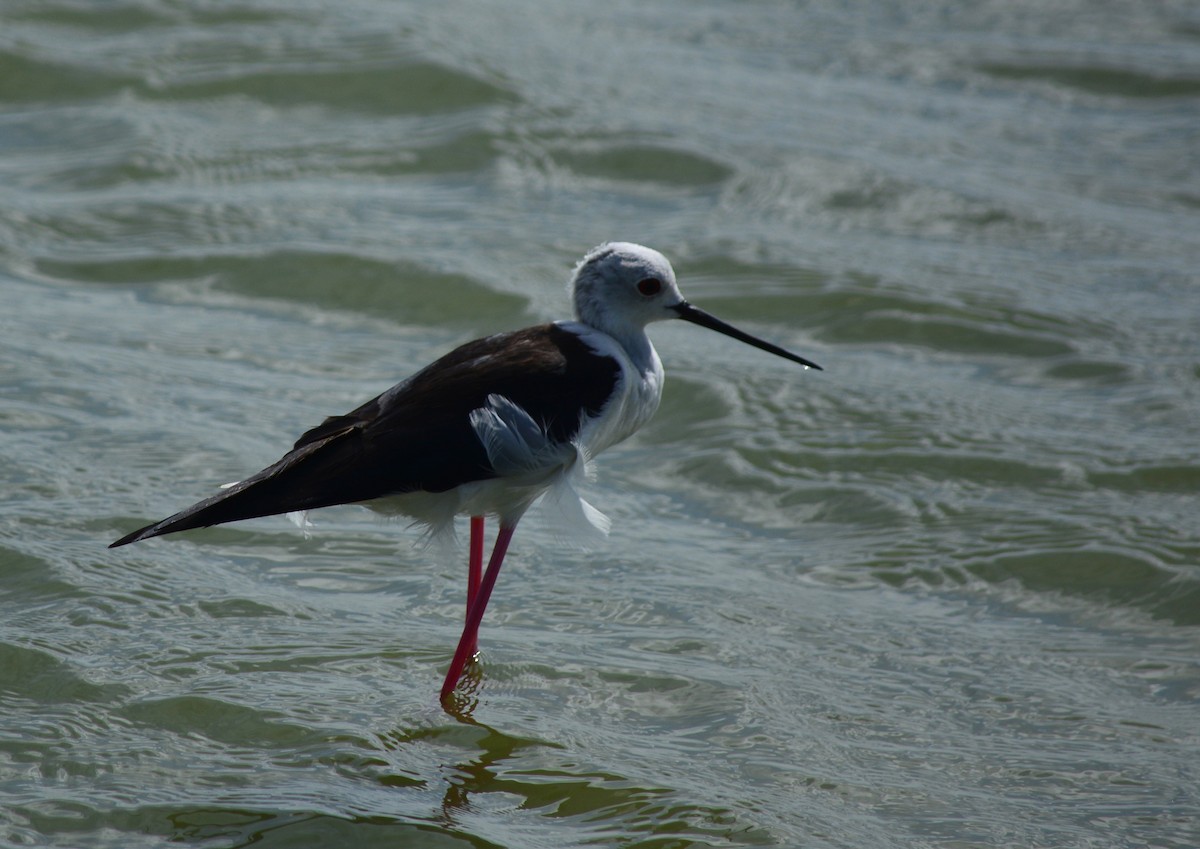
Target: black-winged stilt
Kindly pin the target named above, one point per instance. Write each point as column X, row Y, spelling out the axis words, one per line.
column 490, row 427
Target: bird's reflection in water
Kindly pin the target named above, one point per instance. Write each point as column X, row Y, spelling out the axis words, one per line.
column 484, row 748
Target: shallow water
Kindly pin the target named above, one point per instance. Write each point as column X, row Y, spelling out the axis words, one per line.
column 945, row 593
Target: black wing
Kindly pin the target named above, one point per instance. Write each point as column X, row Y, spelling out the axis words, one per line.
column 417, row 436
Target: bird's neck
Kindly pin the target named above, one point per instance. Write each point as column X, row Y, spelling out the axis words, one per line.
column 637, row 347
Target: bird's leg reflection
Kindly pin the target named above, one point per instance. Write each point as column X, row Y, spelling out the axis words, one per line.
column 487, row 749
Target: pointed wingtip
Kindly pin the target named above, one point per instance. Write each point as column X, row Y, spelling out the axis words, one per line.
column 125, row 540
column 135, row 536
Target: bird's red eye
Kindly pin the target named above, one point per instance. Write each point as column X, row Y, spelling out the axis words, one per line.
column 650, row 286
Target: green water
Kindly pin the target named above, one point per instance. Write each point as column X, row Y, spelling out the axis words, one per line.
column 945, row 593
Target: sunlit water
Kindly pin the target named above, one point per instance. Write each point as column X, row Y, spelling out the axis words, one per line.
column 945, row 593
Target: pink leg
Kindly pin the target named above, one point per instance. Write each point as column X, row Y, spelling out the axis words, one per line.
column 470, row 634
column 474, row 567
column 475, row 562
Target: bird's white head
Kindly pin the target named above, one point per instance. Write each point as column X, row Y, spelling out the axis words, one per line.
column 620, row 287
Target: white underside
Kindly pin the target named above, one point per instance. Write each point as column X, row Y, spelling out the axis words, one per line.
column 505, row 498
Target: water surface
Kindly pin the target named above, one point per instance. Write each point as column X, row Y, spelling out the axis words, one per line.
column 945, row 593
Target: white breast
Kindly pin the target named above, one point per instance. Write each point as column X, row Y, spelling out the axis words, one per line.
column 635, row 398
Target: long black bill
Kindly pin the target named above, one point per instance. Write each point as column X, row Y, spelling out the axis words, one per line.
column 698, row 316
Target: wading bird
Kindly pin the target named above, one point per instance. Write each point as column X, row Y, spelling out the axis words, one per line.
column 490, row 427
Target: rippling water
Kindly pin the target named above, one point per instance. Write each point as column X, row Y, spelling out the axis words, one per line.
column 945, row 593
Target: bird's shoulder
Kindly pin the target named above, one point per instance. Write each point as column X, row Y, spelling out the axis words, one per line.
column 547, row 369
